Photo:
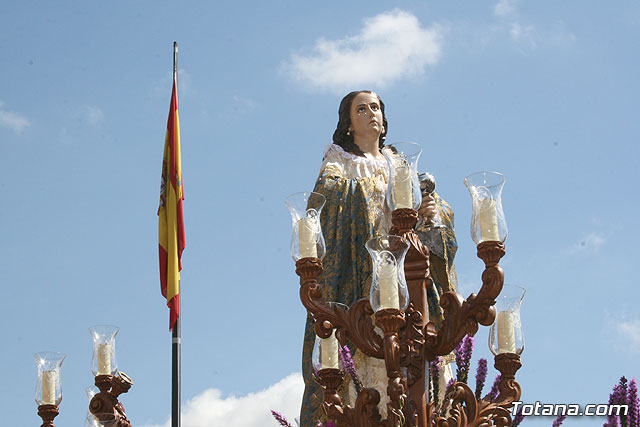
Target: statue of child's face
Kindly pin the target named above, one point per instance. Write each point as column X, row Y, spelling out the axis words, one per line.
column 366, row 116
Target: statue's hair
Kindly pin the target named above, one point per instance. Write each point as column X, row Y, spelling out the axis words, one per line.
column 340, row 136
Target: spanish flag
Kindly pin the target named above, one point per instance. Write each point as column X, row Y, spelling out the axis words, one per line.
column 170, row 216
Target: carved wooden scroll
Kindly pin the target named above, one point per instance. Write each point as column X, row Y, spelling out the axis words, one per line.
column 105, row 405
column 461, row 317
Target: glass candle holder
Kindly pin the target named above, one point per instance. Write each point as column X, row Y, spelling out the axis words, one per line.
column 49, row 385
column 104, row 360
column 306, row 239
column 388, row 287
column 325, row 354
column 101, row 420
column 505, row 335
column 487, row 220
column 90, row 392
column 404, row 187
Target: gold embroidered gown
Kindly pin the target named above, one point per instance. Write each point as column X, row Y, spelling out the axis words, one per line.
column 355, row 211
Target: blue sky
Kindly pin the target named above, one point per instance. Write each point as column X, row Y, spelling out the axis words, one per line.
column 543, row 92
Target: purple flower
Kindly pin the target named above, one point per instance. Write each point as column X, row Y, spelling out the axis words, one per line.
column 625, row 393
column 281, row 419
column 622, row 400
column 612, row 420
column 558, row 421
column 481, row 377
column 463, row 354
column 442, row 408
column 623, row 390
column 518, row 417
column 434, row 374
column 450, row 384
column 494, row 390
column 349, row 367
column 634, row 404
column 614, row 398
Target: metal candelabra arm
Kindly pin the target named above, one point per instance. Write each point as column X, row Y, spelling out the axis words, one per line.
column 105, row 405
column 390, row 321
column 364, row 414
column 408, row 342
column 353, row 323
column 356, row 324
column 461, row 317
column 412, row 339
column 510, row 391
column 465, row 410
column 331, row 380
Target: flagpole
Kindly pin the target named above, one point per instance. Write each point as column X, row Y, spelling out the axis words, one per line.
column 175, row 341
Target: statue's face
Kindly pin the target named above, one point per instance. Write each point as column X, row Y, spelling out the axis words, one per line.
column 366, row 116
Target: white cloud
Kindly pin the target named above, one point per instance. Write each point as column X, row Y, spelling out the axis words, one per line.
column 557, row 35
column 521, row 32
column 93, row 115
column 506, row 11
column 12, row 120
column 253, row 410
column 504, row 8
column 390, row 46
column 630, row 332
column 589, row 244
column 526, row 33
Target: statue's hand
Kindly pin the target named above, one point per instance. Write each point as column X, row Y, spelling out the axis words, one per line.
column 428, row 208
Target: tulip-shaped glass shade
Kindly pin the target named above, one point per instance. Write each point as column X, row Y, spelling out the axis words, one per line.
column 104, row 360
column 325, row 350
column 388, row 287
column 404, row 187
column 505, row 335
column 325, row 353
column 306, row 238
column 108, row 420
column 90, row 392
column 49, row 386
column 487, row 220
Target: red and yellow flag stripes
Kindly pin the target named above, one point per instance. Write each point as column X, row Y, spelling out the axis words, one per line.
column 170, row 216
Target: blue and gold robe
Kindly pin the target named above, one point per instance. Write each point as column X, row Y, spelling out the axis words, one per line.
column 355, row 189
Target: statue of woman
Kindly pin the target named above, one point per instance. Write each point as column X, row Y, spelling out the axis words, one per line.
column 353, row 178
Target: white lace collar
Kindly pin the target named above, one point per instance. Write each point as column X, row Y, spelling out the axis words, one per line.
column 334, row 148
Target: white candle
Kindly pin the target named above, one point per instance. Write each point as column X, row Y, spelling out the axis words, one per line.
column 329, row 352
column 49, row 379
column 307, row 237
column 388, row 281
column 506, row 332
column 488, row 220
column 104, row 359
column 403, row 186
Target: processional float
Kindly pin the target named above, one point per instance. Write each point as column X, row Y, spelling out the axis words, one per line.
column 397, row 305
